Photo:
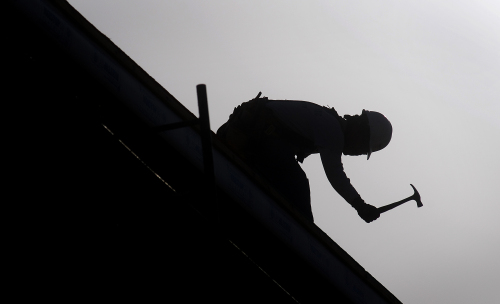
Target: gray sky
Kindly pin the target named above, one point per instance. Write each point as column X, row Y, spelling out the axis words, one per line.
column 432, row 67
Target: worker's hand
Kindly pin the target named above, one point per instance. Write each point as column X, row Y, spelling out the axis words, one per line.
column 366, row 211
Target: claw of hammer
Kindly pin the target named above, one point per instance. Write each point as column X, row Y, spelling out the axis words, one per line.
column 415, row 196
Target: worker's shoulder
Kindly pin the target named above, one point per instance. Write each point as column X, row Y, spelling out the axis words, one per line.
column 302, row 105
column 292, row 101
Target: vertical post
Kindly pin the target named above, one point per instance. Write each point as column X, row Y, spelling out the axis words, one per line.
column 206, row 142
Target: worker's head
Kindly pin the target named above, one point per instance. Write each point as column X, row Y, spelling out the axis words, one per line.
column 366, row 133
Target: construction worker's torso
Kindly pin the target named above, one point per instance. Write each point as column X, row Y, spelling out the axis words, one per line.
column 258, row 120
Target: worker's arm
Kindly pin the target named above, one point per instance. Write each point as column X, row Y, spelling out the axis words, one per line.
column 340, row 182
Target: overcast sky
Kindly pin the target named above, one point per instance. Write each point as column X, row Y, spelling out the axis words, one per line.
column 432, row 67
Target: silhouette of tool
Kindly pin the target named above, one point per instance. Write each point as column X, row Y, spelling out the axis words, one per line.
column 415, row 196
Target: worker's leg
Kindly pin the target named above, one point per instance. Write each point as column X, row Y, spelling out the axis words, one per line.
column 278, row 165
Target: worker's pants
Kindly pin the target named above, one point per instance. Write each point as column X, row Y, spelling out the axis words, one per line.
column 276, row 162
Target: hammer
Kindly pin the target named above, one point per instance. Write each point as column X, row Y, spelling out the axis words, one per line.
column 415, row 197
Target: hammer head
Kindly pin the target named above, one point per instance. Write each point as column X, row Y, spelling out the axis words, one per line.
column 416, row 197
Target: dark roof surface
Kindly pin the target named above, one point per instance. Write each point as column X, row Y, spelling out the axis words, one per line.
column 91, row 88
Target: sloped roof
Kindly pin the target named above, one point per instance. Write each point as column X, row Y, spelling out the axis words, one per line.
column 155, row 107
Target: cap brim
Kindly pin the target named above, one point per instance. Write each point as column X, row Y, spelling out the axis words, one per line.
column 369, row 139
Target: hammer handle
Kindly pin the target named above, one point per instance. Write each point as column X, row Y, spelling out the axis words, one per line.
column 394, row 205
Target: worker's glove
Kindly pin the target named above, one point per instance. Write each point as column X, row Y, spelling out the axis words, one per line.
column 366, row 211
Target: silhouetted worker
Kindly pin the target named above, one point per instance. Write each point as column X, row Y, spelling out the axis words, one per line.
column 274, row 135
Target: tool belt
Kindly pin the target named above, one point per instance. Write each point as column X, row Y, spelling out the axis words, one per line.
column 251, row 124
